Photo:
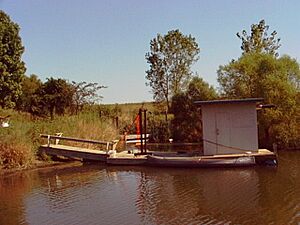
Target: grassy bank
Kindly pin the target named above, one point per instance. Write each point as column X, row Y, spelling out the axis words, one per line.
column 19, row 143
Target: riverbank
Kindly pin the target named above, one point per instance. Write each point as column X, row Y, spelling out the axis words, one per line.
column 40, row 165
column 20, row 142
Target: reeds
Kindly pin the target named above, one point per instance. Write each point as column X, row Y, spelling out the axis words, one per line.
column 20, row 142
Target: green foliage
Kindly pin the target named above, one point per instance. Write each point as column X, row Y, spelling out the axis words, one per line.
column 20, row 142
column 259, row 73
column 259, row 41
column 277, row 81
column 109, row 111
column 57, row 95
column 170, row 59
column 12, row 68
column 158, row 129
column 85, row 94
column 28, row 101
column 199, row 90
column 186, row 125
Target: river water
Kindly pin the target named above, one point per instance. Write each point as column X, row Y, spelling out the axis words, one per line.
column 97, row 194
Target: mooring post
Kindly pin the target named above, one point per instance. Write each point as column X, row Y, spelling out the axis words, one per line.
column 141, row 129
column 145, row 130
column 117, row 122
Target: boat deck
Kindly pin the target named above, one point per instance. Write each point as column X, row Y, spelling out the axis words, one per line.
column 123, row 158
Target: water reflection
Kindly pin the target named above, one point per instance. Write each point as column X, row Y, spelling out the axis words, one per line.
column 13, row 189
column 97, row 194
column 190, row 196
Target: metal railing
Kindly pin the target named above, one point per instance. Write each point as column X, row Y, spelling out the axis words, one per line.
column 58, row 137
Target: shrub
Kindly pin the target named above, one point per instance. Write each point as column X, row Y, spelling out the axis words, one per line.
column 14, row 154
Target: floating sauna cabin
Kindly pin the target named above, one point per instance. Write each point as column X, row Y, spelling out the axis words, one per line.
column 229, row 126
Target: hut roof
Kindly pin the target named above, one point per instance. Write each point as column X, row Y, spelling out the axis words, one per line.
column 228, row 101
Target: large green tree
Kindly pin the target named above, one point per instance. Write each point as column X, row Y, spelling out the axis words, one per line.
column 29, row 97
column 170, row 59
column 259, row 41
column 12, row 68
column 260, row 72
column 263, row 75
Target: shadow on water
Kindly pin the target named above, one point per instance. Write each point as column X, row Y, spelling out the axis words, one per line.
column 99, row 194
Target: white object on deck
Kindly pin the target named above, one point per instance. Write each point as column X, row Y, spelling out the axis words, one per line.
column 57, row 140
column 112, row 153
column 5, row 124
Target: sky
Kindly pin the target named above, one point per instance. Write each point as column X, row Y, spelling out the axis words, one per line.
column 105, row 41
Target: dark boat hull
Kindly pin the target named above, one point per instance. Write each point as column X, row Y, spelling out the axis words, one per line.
column 200, row 161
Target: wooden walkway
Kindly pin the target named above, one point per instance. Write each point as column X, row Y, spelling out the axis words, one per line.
column 74, row 152
column 111, row 157
column 53, row 148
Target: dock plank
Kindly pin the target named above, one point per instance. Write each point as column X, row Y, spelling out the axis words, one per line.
column 124, row 158
column 75, row 152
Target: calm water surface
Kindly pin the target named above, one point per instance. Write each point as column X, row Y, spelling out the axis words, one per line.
column 96, row 194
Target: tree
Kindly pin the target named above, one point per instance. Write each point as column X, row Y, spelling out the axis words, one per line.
column 260, row 73
column 85, row 94
column 56, row 96
column 277, row 81
column 199, row 90
column 170, row 59
column 12, row 68
column 259, row 41
column 29, row 97
column 186, row 125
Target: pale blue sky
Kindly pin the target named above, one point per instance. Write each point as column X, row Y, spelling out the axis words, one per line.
column 105, row 41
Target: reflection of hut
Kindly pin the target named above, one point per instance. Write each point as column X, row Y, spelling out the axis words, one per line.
column 229, row 126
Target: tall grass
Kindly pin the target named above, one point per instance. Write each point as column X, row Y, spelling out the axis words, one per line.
column 16, row 148
column 20, row 142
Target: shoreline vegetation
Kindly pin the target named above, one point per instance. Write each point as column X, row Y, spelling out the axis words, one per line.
column 19, row 143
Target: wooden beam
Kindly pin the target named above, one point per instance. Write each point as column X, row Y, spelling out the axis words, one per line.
column 76, row 139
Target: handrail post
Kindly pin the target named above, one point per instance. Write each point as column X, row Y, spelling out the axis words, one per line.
column 48, row 140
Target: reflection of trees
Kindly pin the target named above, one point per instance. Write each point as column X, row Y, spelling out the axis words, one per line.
column 68, row 177
column 66, row 195
column 280, row 190
column 23, row 194
column 64, row 184
column 177, row 196
column 13, row 189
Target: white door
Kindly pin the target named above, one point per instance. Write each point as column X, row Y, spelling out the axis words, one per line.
column 222, row 132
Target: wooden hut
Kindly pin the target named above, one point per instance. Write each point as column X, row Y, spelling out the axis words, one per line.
column 229, row 126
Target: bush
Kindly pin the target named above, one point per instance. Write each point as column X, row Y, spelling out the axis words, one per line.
column 14, row 154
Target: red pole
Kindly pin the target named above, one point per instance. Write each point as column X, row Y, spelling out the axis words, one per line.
column 145, row 130
column 141, row 129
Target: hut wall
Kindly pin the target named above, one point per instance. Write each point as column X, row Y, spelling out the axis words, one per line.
column 229, row 128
